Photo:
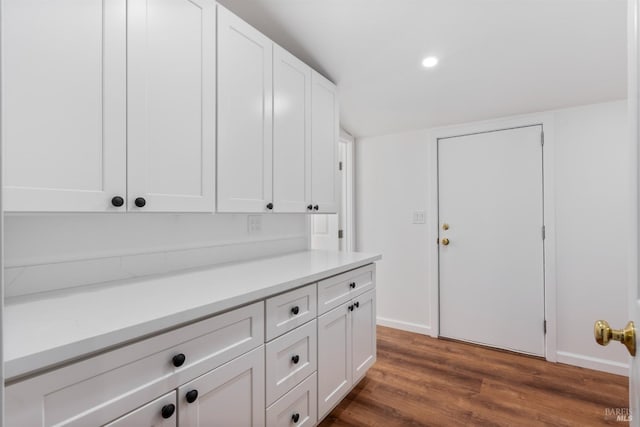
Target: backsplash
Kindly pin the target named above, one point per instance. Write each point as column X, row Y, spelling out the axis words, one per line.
column 48, row 252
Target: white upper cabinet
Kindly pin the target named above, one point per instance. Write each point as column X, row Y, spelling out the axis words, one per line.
column 325, row 129
column 291, row 133
column 64, row 104
column 171, row 105
column 245, row 105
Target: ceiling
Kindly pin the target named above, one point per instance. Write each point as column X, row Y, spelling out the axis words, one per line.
column 497, row 57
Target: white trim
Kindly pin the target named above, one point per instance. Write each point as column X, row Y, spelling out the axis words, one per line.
column 593, row 363
column 349, row 220
column 404, row 326
column 547, row 122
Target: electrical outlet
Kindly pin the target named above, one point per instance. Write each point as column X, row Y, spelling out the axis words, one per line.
column 419, row 217
column 254, row 223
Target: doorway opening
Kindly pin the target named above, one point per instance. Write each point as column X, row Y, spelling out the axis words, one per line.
column 336, row 231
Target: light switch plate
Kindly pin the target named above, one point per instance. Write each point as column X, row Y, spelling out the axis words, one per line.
column 254, row 223
column 419, row 217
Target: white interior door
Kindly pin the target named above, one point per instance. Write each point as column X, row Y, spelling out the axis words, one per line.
column 492, row 270
column 324, row 232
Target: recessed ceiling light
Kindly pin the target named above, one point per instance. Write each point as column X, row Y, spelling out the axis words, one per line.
column 429, row 61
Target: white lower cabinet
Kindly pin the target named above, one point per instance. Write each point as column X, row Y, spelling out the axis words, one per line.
column 232, row 395
column 298, row 407
column 346, row 348
column 218, row 371
column 159, row 413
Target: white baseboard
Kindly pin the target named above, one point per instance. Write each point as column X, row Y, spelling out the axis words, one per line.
column 405, row 326
column 593, row 363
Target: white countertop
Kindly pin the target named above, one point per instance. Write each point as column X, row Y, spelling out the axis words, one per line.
column 46, row 330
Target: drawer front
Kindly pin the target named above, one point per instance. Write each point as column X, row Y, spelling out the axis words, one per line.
column 298, row 407
column 151, row 414
column 290, row 310
column 290, row 359
column 341, row 288
column 133, row 375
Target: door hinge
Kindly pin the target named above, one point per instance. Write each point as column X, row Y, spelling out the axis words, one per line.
column 544, row 232
column 339, row 166
column 340, row 234
column 544, row 326
column 542, row 138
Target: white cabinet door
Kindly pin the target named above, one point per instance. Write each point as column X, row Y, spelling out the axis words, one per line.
column 64, row 104
column 291, row 133
column 325, row 128
column 334, row 358
column 231, row 395
column 245, row 87
column 161, row 412
column 363, row 327
column 171, row 105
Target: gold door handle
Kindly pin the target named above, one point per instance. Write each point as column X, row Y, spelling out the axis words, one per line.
column 627, row 336
column 445, row 241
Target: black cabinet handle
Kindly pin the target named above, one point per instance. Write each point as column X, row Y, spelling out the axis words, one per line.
column 168, row 410
column 309, row 207
column 316, row 207
column 350, row 308
column 352, row 285
column 178, row 360
column 269, row 205
column 192, row 396
column 295, row 359
column 140, row 202
column 295, row 310
column 117, row 201
column 357, row 304
column 295, row 417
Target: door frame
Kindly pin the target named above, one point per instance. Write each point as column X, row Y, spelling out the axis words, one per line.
column 546, row 120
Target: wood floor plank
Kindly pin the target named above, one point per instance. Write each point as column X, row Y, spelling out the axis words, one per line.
column 422, row 381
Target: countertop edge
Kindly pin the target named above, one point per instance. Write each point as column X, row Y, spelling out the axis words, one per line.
column 39, row 362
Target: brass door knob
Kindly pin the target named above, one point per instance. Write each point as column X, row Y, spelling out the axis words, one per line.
column 445, row 241
column 604, row 334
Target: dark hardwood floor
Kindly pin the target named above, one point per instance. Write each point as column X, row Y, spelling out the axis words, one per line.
column 419, row 380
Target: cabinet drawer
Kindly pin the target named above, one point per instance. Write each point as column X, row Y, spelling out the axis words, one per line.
column 290, row 310
column 290, row 358
column 131, row 376
column 151, row 414
column 341, row 288
column 298, row 407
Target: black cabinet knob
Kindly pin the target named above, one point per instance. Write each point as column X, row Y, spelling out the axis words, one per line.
column 295, row 310
column 117, row 201
column 140, row 202
column 357, row 304
column 295, row 359
column 269, row 205
column 295, row 417
column 178, row 360
column 316, row 207
column 352, row 285
column 192, row 396
column 350, row 308
column 168, row 410
column 309, row 207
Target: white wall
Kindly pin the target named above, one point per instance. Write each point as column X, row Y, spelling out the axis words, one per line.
column 592, row 195
column 391, row 182
column 54, row 251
